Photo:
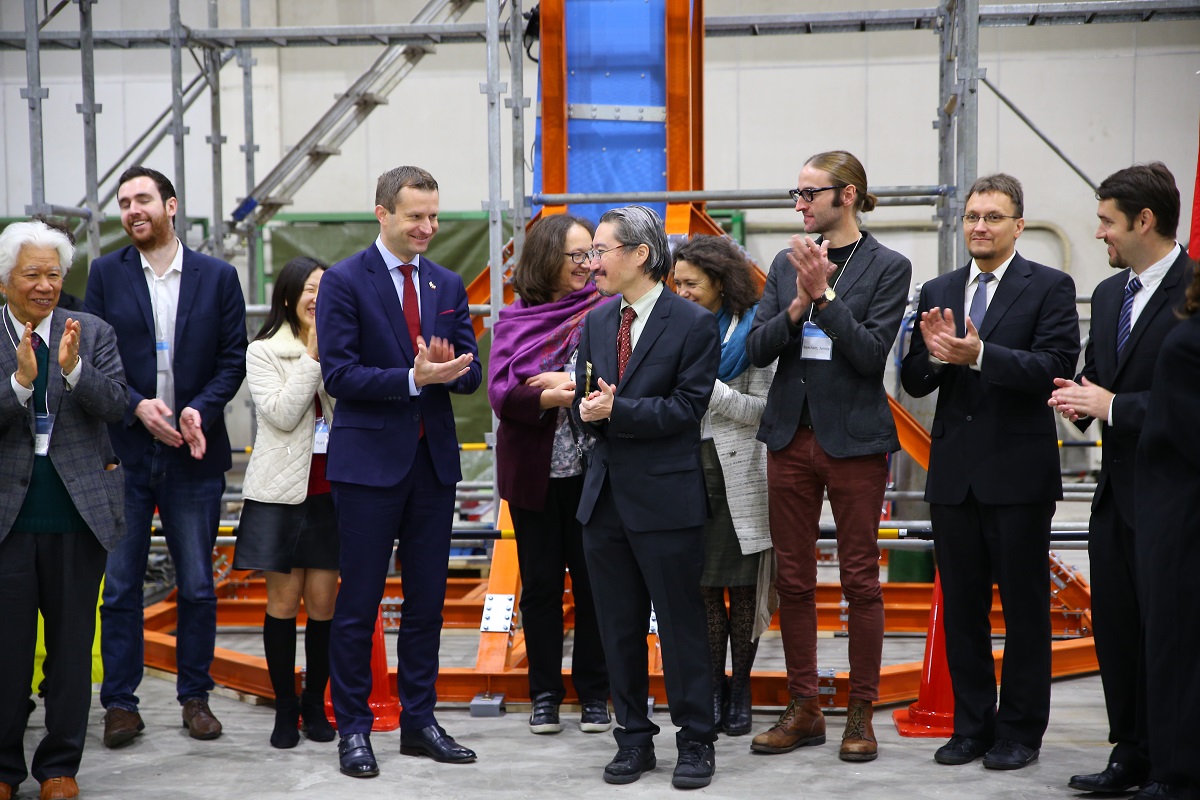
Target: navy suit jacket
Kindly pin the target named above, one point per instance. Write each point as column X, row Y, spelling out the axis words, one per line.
column 993, row 433
column 366, row 356
column 209, row 361
column 1128, row 377
column 649, row 448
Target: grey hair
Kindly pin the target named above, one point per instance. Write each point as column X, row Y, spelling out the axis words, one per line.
column 638, row 225
column 32, row 234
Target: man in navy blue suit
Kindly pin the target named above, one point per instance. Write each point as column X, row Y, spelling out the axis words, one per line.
column 395, row 340
column 180, row 319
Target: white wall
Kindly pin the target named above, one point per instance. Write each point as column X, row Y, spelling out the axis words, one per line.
column 1109, row 95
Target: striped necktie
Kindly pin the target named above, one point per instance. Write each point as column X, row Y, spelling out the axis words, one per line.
column 1125, row 321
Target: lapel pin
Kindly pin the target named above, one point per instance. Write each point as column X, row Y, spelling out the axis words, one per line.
column 432, row 285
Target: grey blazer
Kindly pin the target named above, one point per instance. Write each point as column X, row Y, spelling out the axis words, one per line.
column 79, row 446
column 845, row 395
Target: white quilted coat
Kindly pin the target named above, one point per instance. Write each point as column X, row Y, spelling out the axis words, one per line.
column 734, row 414
column 283, row 380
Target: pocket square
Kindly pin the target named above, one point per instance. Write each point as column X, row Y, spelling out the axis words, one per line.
column 447, row 311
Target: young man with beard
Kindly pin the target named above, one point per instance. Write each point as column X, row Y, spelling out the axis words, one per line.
column 180, row 320
column 993, row 336
column 1132, row 313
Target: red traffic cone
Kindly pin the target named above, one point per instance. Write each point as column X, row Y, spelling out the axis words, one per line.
column 384, row 705
column 932, row 715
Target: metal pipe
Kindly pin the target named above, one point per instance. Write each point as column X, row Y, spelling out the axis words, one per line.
column 34, row 93
column 181, row 220
column 1057, row 150
column 246, row 61
column 967, row 111
column 89, row 108
column 949, row 209
column 518, row 102
column 786, row 203
column 726, row 195
column 215, row 139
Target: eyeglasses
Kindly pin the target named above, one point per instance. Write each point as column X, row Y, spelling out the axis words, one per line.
column 598, row 255
column 579, row 258
column 988, row 219
column 810, row 194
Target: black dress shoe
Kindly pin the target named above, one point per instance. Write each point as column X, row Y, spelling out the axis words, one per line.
column 1008, row 754
column 1117, row 778
column 629, row 763
column 1160, row 791
column 356, row 757
column 434, row 742
column 960, row 750
column 696, row 765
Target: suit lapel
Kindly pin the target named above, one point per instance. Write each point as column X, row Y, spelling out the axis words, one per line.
column 381, row 278
column 1154, row 306
column 427, row 286
column 956, row 288
column 189, row 287
column 655, row 325
column 136, row 275
column 604, row 345
column 857, row 266
column 54, row 383
column 1016, row 278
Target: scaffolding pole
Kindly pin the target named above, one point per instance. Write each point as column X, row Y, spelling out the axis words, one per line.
column 212, row 61
column 177, row 128
column 518, row 102
column 966, row 127
column 89, row 108
column 35, row 93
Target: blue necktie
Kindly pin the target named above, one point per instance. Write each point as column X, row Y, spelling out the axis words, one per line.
column 1125, row 321
column 979, row 301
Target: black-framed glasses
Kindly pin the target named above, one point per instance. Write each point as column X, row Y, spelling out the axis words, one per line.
column 579, row 258
column 810, row 194
column 598, row 254
column 988, row 219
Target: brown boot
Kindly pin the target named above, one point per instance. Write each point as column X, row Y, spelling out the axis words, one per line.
column 858, row 742
column 801, row 723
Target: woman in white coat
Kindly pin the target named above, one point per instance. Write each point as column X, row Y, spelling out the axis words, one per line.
column 712, row 272
column 288, row 528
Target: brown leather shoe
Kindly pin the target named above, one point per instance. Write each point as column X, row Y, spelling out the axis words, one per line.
column 858, row 741
column 121, row 726
column 199, row 720
column 801, row 723
column 59, row 789
column 7, row 791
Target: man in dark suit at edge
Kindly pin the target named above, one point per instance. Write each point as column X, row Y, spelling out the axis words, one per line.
column 180, row 320
column 992, row 338
column 389, row 323
column 1132, row 313
column 644, row 375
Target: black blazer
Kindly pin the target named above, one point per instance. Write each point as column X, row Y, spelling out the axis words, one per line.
column 993, row 433
column 1130, row 377
column 650, row 447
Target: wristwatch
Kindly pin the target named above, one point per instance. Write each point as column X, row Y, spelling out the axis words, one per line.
column 827, row 296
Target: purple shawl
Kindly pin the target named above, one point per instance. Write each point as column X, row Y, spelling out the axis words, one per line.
column 531, row 339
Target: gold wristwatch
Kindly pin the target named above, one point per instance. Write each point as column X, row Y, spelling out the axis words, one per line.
column 827, row 296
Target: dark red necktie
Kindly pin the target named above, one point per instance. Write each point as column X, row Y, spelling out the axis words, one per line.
column 625, row 340
column 35, row 342
column 412, row 316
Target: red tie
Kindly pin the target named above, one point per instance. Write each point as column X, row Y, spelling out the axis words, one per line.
column 35, row 342
column 625, row 340
column 412, row 316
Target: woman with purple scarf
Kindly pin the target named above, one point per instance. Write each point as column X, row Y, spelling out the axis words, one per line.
column 539, row 463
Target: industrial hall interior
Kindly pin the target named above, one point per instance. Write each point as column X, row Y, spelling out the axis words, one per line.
column 599, row 398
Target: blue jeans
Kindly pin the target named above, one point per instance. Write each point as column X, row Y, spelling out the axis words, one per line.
column 190, row 509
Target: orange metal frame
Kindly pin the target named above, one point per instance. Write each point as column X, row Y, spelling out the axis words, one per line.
column 500, row 662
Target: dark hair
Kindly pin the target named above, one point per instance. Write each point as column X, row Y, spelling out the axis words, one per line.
column 536, row 276
column 388, row 187
column 846, row 170
column 1003, row 184
column 1141, row 186
column 166, row 189
column 56, row 223
column 289, row 285
column 722, row 260
column 638, row 225
column 1191, row 298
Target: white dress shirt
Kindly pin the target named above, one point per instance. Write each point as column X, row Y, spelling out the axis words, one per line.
column 393, row 263
column 164, row 305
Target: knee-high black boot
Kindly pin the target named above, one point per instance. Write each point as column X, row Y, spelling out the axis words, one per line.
column 718, row 636
column 744, row 647
column 279, row 642
column 312, row 699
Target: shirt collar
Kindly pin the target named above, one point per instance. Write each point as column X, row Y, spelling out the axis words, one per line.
column 644, row 303
column 1152, row 275
column 391, row 260
column 998, row 272
column 176, row 262
column 42, row 329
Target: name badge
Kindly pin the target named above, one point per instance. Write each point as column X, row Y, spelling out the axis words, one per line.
column 815, row 344
column 162, row 352
column 42, row 426
column 321, row 436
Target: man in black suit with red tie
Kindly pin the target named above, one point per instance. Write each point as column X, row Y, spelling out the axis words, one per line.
column 993, row 468
column 1132, row 313
column 645, row 372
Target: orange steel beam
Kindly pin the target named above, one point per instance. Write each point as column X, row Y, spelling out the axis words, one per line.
column 552, row 58
column 497, row 651
column 914, row 439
